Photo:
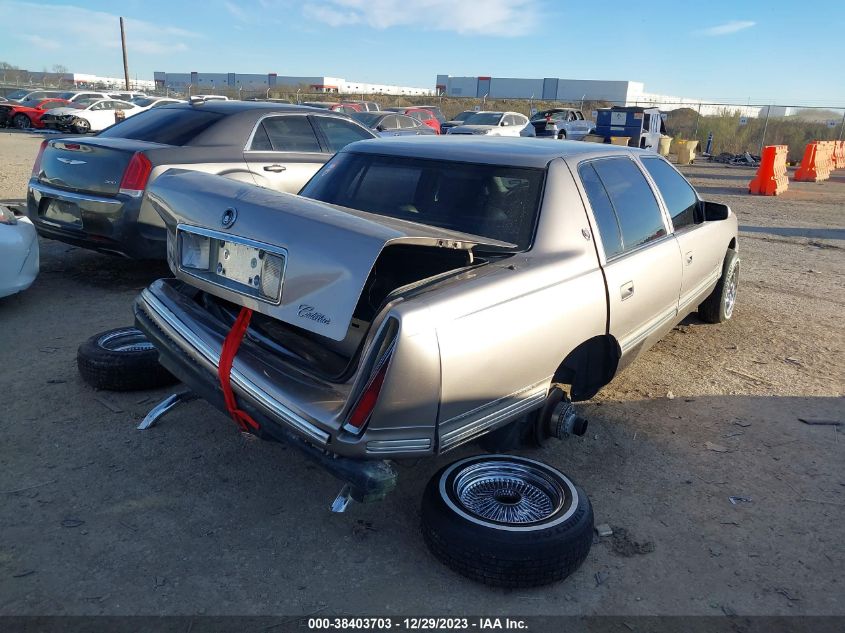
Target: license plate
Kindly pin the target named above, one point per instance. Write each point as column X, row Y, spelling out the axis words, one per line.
column 239, row 263
column 64, row 212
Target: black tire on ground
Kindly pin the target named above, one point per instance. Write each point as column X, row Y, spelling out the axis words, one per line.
column 80, row 126
column 121, row 360
column 719, row 306
column 21, row 121
column 507, row 521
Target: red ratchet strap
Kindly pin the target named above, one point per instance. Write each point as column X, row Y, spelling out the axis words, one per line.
column 224, row 370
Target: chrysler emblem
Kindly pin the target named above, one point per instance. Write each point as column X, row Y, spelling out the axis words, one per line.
column 229, row 217
column 71, row 161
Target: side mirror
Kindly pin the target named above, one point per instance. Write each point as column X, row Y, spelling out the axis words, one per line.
column 379, row 128
column 715, row 211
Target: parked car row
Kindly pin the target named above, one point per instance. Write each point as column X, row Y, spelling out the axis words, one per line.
column 89, row 191
column 374, row 282
column 73, row 111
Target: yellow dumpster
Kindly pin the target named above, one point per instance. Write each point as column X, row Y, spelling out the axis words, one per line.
column 619, row 140
column 593, row 138
column 663, row 147
column 686, row 151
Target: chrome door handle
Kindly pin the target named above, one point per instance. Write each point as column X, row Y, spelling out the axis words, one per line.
column 626, row 290
column 275, row 168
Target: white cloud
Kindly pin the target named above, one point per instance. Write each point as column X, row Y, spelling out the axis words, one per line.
column 40, row 42
column 502, row 18
column 727, row 28
column 236, row 11
column 58, row 26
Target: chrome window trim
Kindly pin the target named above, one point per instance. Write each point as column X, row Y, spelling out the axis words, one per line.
column 217, row 235
column 659, row 194
column 667, row 222
column 317, row 113
column 273, row 151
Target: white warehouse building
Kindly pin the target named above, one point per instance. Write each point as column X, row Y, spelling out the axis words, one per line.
column 251, row 82
column 626, row 93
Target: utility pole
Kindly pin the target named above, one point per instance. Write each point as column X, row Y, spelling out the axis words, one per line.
column 842, row 126
column 125, row 61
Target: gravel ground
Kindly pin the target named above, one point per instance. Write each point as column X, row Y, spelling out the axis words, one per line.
column 192, row 518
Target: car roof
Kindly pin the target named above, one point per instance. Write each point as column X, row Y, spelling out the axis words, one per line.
column 511, row 151
column 235, row 107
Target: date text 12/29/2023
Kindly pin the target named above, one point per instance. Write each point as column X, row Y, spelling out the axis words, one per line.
column 416, row 624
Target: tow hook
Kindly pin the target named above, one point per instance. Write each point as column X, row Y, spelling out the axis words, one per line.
column 565, row 421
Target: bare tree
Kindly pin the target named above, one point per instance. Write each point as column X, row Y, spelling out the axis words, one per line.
column 59, row 69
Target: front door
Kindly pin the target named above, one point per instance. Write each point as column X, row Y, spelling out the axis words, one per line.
column 701, row 253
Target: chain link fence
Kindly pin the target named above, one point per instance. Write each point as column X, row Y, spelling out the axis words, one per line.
column 734, row 128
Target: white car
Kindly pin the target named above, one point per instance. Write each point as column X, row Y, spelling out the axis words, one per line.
column 77, row 96
column 147, row 103
column 18, row 252
column 495, row 124
column 88, row 115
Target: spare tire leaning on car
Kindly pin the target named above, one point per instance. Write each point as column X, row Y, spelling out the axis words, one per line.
column 122, row 359
column 507, row 521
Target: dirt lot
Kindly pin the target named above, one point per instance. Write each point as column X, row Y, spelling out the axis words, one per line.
column 192, row 518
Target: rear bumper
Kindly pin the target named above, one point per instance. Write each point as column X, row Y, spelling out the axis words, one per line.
column 190, row 349
column 19, row 246
column 108, row 225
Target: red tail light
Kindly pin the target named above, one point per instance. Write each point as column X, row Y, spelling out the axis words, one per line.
column 367, row 402
column 136, row 175
column 36, row 167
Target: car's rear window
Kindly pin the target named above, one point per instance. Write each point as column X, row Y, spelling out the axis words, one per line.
column 494, row 201
column 175, row 126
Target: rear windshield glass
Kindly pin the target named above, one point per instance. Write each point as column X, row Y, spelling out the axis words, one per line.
column 367, row 118
column 484, row 118
column 493, row 201
column 164, row 125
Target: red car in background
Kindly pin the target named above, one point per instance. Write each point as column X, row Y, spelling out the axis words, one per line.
column 24, row 117
column 346, row 108
column 420, row 114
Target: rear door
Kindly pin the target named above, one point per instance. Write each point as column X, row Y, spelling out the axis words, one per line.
column 642, row 262
column 284, row 152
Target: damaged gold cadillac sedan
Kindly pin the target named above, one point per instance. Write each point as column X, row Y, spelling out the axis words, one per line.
column 423, row 293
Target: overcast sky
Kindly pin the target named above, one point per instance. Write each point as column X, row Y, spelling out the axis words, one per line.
column 762, row 51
